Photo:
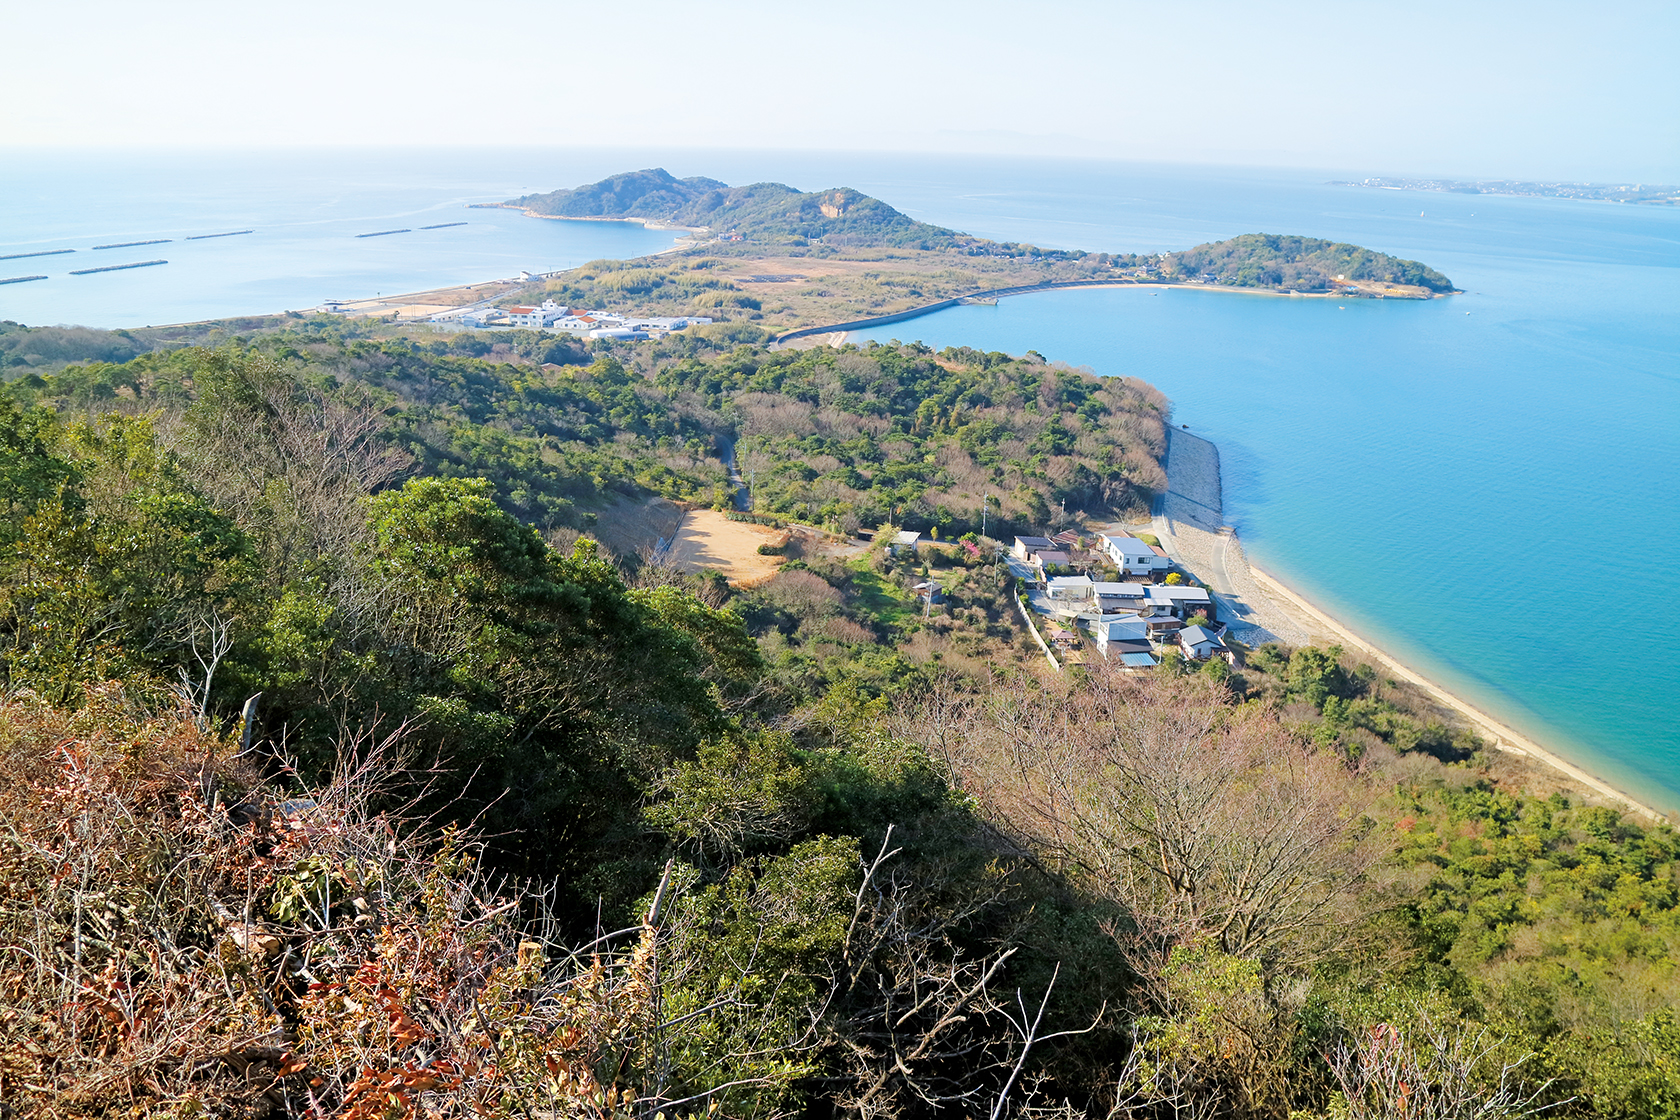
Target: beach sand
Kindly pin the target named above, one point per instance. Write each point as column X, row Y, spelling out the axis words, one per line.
column 1260, row 608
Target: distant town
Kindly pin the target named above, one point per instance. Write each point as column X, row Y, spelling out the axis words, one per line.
column 1136, row 612
column 553, row 317
column 1610, row 192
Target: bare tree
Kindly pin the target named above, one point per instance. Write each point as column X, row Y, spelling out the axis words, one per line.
column 1204, row 820
column 208, row 637
column 1431, row 1069
column 287, row 457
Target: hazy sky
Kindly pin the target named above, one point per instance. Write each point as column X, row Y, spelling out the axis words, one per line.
column 1462, row 88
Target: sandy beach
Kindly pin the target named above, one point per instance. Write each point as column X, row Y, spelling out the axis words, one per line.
column 1260, row 608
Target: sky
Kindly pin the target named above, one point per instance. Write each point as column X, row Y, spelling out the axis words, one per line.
column 1464, row 89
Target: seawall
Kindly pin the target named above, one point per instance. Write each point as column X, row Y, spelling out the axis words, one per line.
column 1193, row 489
column 930, row 308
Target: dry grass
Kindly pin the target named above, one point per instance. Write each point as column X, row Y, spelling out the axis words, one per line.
column 709, row 541
column 176, row 940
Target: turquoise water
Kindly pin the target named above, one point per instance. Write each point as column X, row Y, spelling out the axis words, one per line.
column 1491, row 495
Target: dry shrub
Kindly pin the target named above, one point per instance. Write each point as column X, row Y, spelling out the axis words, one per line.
column 177, row 939
column 803, row 593
column 1205, row 820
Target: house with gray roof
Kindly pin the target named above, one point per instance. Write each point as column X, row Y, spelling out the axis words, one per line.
column 1201, row 644
column 1116, row 636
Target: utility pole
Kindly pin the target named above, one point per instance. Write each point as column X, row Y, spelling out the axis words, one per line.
column 984, row 498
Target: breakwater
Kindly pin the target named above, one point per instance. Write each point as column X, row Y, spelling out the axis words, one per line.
column 208, row 236
column 132, row 244
column 115, row 267
column 384, row 233
column 930, row 308
column 42, row 253
column 1194, row 493
column 22, row 279
column 444, row 225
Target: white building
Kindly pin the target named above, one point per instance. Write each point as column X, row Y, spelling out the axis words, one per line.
column 1070, row 589
column 1202, row 644
column 1133, row 557
column 537, row 318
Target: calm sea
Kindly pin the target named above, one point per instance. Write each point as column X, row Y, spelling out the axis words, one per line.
column 1486, row 484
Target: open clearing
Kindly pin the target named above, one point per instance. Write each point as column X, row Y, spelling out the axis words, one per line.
column 707, row 540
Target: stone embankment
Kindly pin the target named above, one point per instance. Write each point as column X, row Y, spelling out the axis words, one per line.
column 1189, row 519
column 1193, row 491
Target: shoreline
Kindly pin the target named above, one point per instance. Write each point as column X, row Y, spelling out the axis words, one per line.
column 645, row 223
column 1505, row 738
column 1259, row 607
column 993, row 295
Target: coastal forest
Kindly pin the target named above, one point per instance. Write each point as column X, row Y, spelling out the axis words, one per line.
column 345, row 772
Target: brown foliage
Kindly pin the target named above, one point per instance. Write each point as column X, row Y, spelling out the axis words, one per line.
column 163, row 954
column 1206, row 821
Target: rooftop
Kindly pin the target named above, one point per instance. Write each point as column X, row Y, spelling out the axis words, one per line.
column 1196, row 635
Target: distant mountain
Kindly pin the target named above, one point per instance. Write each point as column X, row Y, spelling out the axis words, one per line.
column 758, row 212
column 1307, row 264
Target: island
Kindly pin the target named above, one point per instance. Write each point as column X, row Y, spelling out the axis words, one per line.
column 805, row 263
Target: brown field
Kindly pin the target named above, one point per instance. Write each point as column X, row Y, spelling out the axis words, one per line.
column 709, row 540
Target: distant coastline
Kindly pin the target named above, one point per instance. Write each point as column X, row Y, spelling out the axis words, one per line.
column 1636, row 193
column 991, row 295
column 645, row 223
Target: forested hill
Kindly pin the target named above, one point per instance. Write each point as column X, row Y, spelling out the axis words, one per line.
column 327, row 755
column 758, row 211
column 1308, row 264
column 843, row 218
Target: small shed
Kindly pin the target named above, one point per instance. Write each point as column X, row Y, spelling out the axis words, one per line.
column 1026, row 546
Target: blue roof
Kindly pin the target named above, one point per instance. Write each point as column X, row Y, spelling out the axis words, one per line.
column 1137, row 660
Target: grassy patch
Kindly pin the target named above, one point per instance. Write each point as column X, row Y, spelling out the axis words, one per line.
column 881, row 598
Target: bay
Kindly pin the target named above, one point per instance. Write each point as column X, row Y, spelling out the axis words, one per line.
column 1484, row 484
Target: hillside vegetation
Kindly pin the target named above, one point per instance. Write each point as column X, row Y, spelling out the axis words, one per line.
column 518, row 831
column 1307, row 264
column 840, row 438
column 761, row 211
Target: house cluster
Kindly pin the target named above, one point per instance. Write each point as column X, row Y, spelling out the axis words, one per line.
column 1131, row 618
column 558, row 319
